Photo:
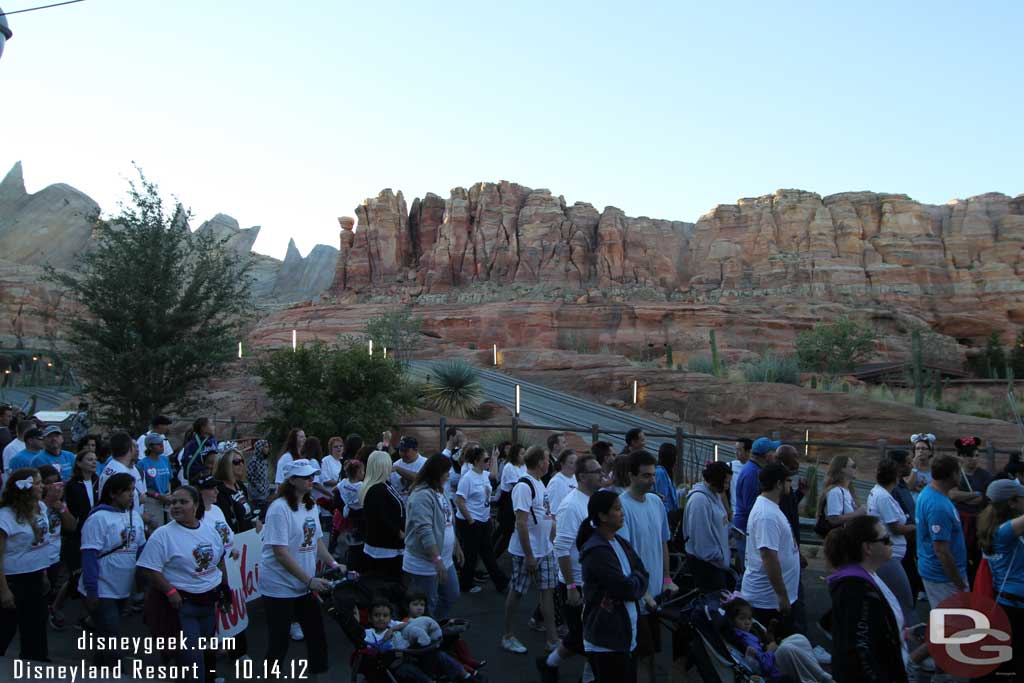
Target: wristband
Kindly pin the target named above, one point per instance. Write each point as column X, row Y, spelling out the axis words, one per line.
column 438, row 559
column 171, row 592
column 571, row 587
column 666, row 581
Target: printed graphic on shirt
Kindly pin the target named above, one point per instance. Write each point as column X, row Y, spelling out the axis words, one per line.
column 39, row 530
column 203, row 555
column 127, row 539
column 223, row 530
column 308, row 532
column 54, row 517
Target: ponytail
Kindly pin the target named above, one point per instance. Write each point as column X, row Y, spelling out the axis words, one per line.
column 599, row 504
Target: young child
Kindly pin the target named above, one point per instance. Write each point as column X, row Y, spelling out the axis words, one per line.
column 416, row 606
column 793, row 657
column 385, row 635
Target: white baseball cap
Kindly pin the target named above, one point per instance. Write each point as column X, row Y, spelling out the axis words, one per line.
column 301, row 468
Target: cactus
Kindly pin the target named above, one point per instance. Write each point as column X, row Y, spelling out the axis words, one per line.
column 668, row 356
column 716, row 366
column 845, row 387
column 814, row 381
column 918, row 368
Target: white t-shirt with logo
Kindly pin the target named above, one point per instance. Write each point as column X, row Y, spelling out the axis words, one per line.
column 539, row 508
column 423, row 567
column 881, row 504
column 475, row 489
column 27, row 548
column 105, row 531
column 53, row 542
column 767, row 527
column 215, row 517
column 298, row 530
column 400, row 484
column 115, row 467
column 187, row 558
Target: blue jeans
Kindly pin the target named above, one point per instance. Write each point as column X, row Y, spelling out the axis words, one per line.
column 440, row 597
column 106, row 619
column 197, row 621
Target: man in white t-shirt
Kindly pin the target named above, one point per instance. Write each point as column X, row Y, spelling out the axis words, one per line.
column 533, row 557
column 123, row 457
column 404, row 471
column 772, row 578
column 18, row 445
column 564, row 480
column 742, row 447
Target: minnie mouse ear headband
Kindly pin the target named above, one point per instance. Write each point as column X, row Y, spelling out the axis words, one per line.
column 927, row 438
column 967, row 443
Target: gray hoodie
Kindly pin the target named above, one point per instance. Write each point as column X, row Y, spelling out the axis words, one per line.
column 706, row 526
column 425, row 522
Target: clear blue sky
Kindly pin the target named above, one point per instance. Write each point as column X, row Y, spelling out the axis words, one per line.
column 288, row 114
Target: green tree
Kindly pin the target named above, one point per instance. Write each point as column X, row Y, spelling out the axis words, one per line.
column 836, row 347
column 995, row 357
column 398, row 331
column 1017, row 356
column 329, row 390
column 159, row 310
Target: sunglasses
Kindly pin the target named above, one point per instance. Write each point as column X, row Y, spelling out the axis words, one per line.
column 884, row 540
column 237, row 462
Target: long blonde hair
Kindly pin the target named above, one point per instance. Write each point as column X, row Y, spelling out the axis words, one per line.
column 989, row 521
column 378, row 470
column 833, row 478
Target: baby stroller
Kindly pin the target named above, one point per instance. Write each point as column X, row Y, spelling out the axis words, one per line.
column 367, row 664
column 701, row 622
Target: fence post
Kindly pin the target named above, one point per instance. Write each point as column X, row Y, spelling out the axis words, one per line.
column 990, row 456
column 234, row 428
column 515, row 430
column 883, row 446
column 595, row 433
column 680, row 454
column 444, row 430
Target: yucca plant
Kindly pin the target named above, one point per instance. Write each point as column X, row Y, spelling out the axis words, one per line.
column 453, row 389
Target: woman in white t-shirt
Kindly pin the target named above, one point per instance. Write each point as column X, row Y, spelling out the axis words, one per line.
column 837, row 503
column 473, row 520
column 24, row 534
column 431, row 548
column 293, row 444
column 113, row 534
column 511, row 473
column 292, row 543
column 883, row 505
column 184, row 563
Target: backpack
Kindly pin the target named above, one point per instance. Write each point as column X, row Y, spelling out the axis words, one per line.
column 533, row 494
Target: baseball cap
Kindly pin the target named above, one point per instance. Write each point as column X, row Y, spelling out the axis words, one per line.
column 34, row 433
column 52, row 429
column 301, row 468
column 154, row 439
column 407, row 442
column 1003, row 490
column 764, row 445
column 206, row 481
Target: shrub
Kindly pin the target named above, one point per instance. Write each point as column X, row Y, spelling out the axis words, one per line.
column 702, row 364
column 398, row 331
column 453, row 389
column 772, row 368
column 835, row 348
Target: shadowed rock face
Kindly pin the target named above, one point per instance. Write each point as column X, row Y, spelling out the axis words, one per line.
column 55, row 225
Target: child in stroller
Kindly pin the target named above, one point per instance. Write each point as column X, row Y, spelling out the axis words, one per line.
column 791, row 660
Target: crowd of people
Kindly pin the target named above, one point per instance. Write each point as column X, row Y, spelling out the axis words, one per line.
column 596, row 540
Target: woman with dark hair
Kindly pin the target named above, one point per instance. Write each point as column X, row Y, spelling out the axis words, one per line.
column 867, row 620
column 322, row 496
column 112, row 538
column 706, row 529
column 924, row 450
column 88, row 442
column 1000, row 531
column 620, row 474
column 614, row 581
column 292, row 450
column 24, row 534
column 184, row 564
column 431, row 548
column 81, row 494
column 199, row 441
column 663, row 484
column 512, row 472
column 353, row 446
column 882, row 504
column 473, row 520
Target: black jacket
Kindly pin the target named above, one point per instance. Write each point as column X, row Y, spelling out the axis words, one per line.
column 606, row 590
column 865, row 637
column 77, row 498
column 235, row 505
column 385, row 517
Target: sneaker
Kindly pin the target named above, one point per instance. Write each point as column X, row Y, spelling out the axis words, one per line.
column 475, row 589
column 512, row 644
column 56, row 619
column 296, row 632
column 536, row 625
column 548, row 674
column 822, row 655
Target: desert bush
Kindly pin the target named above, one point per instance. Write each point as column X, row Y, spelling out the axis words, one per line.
column 772, row 368
column 836, row 347
column 701, row 363
column 453, row 389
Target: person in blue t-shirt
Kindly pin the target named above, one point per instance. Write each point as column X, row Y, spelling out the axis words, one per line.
column 941, row 551
column 53, row 454
column 33, row 439
column 1000, row 526
column 155, row 468
column 747, row 487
